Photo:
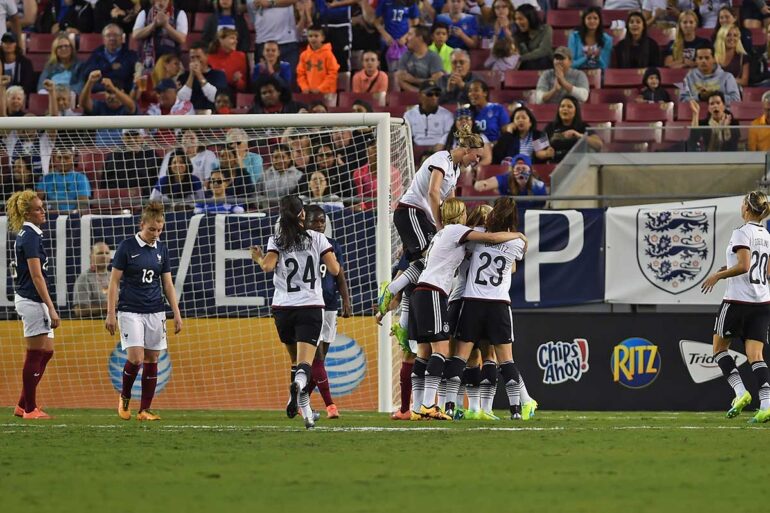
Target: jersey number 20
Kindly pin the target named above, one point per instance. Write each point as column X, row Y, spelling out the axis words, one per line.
column 308, row 276
column 758, row 260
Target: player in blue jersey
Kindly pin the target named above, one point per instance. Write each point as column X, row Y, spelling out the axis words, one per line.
column 489, row 117
column 394, row 17
column 334, row 289
column 142, row 271
column 26, row 215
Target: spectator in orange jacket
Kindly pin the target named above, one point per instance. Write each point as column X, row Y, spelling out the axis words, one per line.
column 318, row 68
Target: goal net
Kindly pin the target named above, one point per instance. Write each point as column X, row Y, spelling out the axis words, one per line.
column 221, row 178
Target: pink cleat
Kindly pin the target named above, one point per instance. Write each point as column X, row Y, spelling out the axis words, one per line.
column 332, row 412
column 18, row 411
column 36, row 414
column 401, row 415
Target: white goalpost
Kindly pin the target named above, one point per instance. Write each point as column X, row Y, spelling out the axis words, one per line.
column 228, row 356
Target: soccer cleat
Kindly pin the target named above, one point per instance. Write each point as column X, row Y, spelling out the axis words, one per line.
column 738, row 404
column 147, row 415
column 472, row 415
column 332, row 412
column 761, row 417
column 384, row 298
column 434, row 412
column 401, row 415
column 310, row 422
column 487, row 415
column 516, row 412
column 123, row 411
column 528, row 410
column 413, row 415
column 36, row 414
column 18, row 411
column 402, row 335
column 459, row 414
column 292, row 408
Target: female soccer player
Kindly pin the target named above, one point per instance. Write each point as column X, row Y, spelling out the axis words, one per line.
column 334, row 289
column 417, row 219
column 33, row 302
column 295, row 254
column 745, row 311
column 485, row 313
column 140, row 267
column 428, row 317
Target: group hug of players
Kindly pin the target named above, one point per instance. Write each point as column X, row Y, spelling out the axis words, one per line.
column 452, row 287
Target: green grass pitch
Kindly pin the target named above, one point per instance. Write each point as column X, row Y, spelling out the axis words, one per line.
column 195, row 461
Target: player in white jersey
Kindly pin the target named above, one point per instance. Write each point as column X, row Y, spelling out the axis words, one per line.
column 294, row 254
column 745, row 310
column 428, row 317
column 485, row 313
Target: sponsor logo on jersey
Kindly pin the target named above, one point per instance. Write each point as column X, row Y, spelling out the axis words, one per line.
column 117, row 361
column 698, row 357
column 635, row 362
column 675, row 248
column 563, row 361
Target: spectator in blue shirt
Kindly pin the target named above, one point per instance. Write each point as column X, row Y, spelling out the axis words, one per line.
column 201, row 83
column 64, row 188
column 238, row 142
column 271, row 65
column 489, row 117
column 518, row 181
column 116, row 103
column 216, row 201
column 394, row 17
column 463, row 28
column 114, row 60
column 591, row 46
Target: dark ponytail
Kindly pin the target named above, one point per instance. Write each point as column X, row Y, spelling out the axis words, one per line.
column 291, row 230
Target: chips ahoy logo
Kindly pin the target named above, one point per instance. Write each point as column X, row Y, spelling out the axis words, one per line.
column 345, row 365
column 563, row 361
column 118, row 360
column 635, row 363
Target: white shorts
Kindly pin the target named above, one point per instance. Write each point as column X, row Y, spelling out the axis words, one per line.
column 329, row 328
column 34, row 316
column 146, row 330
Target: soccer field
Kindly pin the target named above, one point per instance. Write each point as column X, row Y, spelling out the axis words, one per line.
column 196, row 461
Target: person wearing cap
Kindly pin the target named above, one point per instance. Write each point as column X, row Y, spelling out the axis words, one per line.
column 562, row 80
column 759, row 138
column 132, row 165
column 454, row 86
column 16, row 65
column 464, row 118
column 116, row 103
column 429, row 121
column 519, row 180
column 168, row 103
column 418, row 64
column 113, row 59
column 9, row 13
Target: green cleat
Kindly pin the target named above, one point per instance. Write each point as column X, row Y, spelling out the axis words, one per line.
column 528, row 410
column 460, row 414
column 402, row 336
column 487, row 415
column 472, row 415
column 738, row 404
column 761, row 417
column 384, row 299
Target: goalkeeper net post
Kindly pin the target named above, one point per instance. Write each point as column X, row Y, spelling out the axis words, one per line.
column 225, row 313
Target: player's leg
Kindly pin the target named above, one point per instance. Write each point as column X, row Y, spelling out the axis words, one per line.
column 308, row 324
column 38, row 337
column 155, row 341
column 756, row 326
column 453, row 372
column 511, row 378
column 321, row 379
column 729, row 321
column 488, row 385
column 131, row 330
column 472, row 380
column 405, row 380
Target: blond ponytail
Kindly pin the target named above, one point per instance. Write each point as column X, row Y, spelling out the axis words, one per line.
column 17, row 207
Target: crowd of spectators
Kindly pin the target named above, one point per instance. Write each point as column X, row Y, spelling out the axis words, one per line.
column 161, row 57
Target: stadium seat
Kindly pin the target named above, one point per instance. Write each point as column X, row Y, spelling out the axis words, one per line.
column 705, row 33
column 662, row 36
column 356, row 57
column 636, row 132
column 672, row 76
column 38, row 104
column 560, row 37
column 753, row 94
column 521, row 79
column 39, row 43
column 594, row 78
column 112, row 200
column 346, row 99
column 465, row 180
column 396, row 111
column 90, row 161
column 244, row 99
column 599, row 96
column 308, row 98
column 493, row 79
column 758, row 38
column 745, row 112
column 684, row 113
column 192, row 38
column 478, row 57
column 490, row 170
column 650, row 111
column 563, row 18
column 200, row 21
column 626, row 147
column 545, row 112
column 343, row 81
column 610, row 15
column 612, row 112
column 38, row 60
column 403, row 98
column 89, row 42
column 578, row 4
column 675, row 137
column 506, row 96
column 623, row 77
column 603, row 130
column 544, row 171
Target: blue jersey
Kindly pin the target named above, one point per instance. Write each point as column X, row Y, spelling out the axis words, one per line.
column 467, row 22
column 29, row 244
column 329, row 282
column 491, row 120
column 395, row 16
column 142, row 266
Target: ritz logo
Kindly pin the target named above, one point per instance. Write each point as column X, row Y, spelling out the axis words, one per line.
column 562, row 361
column 635, row 363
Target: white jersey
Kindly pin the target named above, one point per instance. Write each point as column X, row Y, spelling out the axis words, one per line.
column 461, row 278
column 489, row 274
column 750, row 287
column 445, row 253
column 297, row 279
column 417, row 193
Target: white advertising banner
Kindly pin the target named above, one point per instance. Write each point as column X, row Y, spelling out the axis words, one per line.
column 660, row 254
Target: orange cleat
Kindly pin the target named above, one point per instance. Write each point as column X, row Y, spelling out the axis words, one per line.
column 401, row 415
column 123, row 411
column 332, row 412
column 36, row 414
column 147, row 415
column 18, row 411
